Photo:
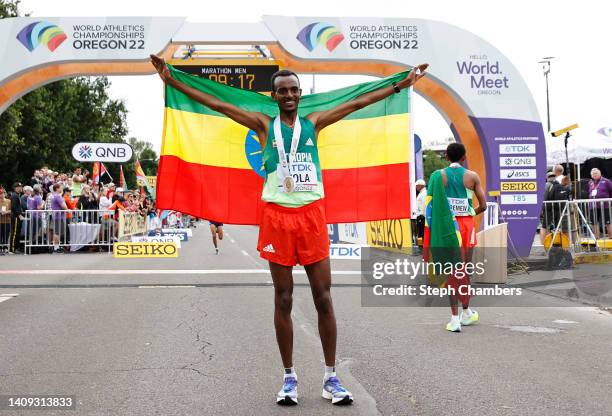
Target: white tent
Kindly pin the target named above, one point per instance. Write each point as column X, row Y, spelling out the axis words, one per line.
column 579, row 148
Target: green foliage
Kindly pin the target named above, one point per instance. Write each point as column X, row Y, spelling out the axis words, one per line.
column 41, row 127
column 432, row 162
column 9, row 8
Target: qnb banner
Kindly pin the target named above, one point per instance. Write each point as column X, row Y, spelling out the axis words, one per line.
column 102, row 152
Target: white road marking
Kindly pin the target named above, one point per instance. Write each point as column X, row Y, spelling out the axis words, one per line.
column 164, row 286
column 563, row 321
column 531, row 329
column 7, row 296
column 163, row 271
column 244, row 252
column 232, row 240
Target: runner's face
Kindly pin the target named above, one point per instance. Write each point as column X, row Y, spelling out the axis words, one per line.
column 287, row 93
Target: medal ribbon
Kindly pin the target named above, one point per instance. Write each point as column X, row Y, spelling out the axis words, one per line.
column 280, row 142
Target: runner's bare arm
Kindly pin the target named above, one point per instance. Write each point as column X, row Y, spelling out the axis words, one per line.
column 250, row 119
column 322, row 119
column 480, row 195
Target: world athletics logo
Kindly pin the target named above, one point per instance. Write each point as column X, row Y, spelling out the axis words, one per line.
column 44, row 33
column 320, row 33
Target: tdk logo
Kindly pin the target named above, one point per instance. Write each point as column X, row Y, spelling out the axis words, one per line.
column 484, row 76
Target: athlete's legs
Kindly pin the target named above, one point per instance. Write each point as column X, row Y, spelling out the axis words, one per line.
column 319, row 275
column 283, row 301
column 213, row 231
column 220, row 232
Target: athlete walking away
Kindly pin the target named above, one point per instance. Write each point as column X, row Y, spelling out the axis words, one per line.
column 460, row 185
column 293, row 228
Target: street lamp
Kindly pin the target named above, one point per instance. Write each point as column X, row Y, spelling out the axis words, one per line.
column 546, row 67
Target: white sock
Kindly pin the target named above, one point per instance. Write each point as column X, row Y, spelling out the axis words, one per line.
column 455, row 319
column 329, row 372
column 290, row 372
column 467, row 312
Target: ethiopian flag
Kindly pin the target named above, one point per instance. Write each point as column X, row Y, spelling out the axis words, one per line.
column 211, row 167
column 441, row 239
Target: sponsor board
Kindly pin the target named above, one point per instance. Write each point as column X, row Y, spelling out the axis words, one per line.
column 144, row 250
column 518, row 174
column 353, row 233
column 393, row 234
column 519, row 199
column 131, row 223
column 517, row 149
column 157, row 239
column 345, row 252
column 519, row 186
column 332, row 231
column 102, row 152
column 517, row 161
column 182, row 236
column 187, row 231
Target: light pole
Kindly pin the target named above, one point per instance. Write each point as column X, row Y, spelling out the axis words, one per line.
column 546, row 67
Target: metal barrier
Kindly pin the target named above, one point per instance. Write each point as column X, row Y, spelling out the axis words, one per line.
column 71, row 229
column 581, row 225
column 491, row 216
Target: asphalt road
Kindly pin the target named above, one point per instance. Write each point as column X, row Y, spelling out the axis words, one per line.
column 194, row 336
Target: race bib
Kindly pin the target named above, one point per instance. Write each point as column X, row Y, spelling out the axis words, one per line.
column 594, row 193
column 304, row 176
column 459, row 206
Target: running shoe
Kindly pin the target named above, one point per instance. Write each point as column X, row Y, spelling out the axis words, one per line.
column 288, row 394
column 469, row 320
column 217, row 251
column 453, row 326
column 333, row 390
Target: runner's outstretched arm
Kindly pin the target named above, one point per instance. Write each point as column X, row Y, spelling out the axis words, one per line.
column 250, row 119
column 322, row 119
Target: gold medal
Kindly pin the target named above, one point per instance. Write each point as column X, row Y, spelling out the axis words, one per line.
column 289, row 184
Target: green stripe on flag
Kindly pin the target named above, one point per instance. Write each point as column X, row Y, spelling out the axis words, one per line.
column 253, row 101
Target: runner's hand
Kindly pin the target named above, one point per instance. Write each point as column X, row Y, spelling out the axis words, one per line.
column 160, row 66
column 416, row 74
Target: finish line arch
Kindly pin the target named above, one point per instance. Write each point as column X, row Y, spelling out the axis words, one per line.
column 475, row 87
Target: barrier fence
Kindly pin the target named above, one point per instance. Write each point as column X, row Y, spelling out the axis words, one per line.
column 581, row 225
column 68, row 230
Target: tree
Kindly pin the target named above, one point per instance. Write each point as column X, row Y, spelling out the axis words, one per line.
column 432, row 162
column 9, row 8
column 42, row 127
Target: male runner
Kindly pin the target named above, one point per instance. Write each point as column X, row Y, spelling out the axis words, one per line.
column 216, row 229
column 460, row 184
column 293, row 228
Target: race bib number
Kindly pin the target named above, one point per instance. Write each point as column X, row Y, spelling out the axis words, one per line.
column 304, row 175
column 459, row 206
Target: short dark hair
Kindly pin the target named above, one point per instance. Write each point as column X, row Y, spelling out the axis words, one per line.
column 455, row 151
column 56, row 186
column 282, row 73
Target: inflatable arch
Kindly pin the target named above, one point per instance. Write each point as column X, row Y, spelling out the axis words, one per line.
column 481, row 95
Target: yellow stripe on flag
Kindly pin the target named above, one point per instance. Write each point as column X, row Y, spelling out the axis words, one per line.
column 219, row 141
column 361, row 143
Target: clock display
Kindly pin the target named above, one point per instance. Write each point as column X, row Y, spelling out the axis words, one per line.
column 248, row 77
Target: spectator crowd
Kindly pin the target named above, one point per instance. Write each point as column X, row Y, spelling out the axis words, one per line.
column 57, row 200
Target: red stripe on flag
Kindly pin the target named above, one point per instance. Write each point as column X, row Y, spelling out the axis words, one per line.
column 351, row 195
column 367, row 194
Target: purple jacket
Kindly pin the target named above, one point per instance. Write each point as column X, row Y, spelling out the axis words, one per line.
column 600, row 189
